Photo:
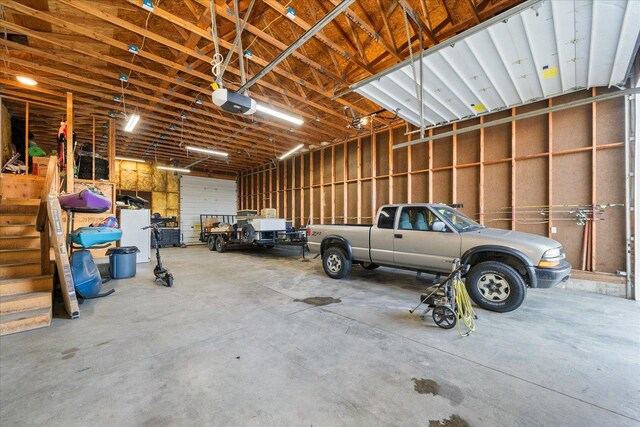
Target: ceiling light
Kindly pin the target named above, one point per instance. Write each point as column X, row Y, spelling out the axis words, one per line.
column 132, row 122
column 290, row 152
column 168, row 168
column 291, row 13
column 129, row 159
column 26, row 81
column 212, row 152
column 279, row 114
column 364, row 120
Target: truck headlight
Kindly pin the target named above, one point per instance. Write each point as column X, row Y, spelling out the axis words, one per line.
column 551, row 258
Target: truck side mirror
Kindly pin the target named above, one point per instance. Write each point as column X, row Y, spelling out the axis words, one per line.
column 438, row 226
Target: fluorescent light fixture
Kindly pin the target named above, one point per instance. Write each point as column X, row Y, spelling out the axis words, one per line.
column 279, row 114
column 204, row 150
column 290, row 152
column 26, row 81
column 133, row 121
column 130, row 159
column 169, row 168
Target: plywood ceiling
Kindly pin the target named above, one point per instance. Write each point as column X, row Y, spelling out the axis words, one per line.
column 83, row 47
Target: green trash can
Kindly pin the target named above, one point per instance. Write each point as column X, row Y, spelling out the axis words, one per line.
column 122, row 261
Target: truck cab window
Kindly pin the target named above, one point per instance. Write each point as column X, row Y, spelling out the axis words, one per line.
column 387, row 217
column 414, row 218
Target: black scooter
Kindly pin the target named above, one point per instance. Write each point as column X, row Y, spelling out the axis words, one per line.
column 162, row 274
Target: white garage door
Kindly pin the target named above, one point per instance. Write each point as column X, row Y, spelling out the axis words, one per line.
column 200, row 195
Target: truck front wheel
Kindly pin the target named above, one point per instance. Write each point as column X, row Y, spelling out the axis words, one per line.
column 335, row 263
column 496, row 286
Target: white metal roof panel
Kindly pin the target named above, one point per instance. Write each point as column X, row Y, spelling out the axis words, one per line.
column 543, row 49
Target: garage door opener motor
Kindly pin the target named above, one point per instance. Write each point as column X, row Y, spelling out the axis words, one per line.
column 449, row 302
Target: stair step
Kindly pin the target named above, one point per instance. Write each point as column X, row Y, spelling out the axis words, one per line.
column 17, row 230
column 17, row 219
column 20, row 269
column 18, row 206
column 31, row 241
column 17, row 255
column 23, row 285
column 25, row 302
column 24, row 321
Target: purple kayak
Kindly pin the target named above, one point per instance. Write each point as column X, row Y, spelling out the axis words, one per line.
column 85, row 200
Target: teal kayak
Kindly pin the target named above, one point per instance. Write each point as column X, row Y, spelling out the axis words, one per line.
column 91, row 236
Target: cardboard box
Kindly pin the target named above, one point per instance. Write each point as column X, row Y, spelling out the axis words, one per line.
column 40, row 166
column 268, row 213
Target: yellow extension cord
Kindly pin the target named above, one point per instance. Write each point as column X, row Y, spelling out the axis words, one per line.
column 466, row 314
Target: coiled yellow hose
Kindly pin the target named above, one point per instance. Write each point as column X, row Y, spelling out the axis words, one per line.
column 466, row 314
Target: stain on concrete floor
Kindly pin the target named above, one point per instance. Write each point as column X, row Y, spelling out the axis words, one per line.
column 453, row 421
column 446, row 390
column 319, row 301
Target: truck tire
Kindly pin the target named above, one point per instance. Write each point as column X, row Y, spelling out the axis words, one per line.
column 221, row 246
column 211, row 243
column 496, row 286
column 335, row 263
column 248, row 233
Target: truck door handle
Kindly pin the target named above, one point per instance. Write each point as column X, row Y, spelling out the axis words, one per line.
column 397, row 236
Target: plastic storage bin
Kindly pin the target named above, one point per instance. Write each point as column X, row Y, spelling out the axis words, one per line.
column 122, row 261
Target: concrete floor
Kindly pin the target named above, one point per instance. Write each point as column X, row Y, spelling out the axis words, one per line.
column 232, row 345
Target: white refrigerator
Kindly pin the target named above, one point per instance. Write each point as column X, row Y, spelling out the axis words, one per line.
column 131, row 223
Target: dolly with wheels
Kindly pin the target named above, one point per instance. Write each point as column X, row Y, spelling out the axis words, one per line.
column 449, row 302
column 162, row 274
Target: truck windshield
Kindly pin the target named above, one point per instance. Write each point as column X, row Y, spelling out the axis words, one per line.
column 459, row 221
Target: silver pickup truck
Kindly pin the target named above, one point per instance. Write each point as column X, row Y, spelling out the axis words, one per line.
column 429, row 237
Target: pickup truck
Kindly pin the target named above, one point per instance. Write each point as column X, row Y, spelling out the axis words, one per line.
column 429, row 237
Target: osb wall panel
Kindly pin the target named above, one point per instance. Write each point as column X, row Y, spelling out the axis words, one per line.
column 532, row 195
column 574, row 188
column 467, row 190
column 572, row 128
column 505, row 188
column 420, row 188
column 352, row 209
column 365, row 155
column 366, row 216
column 468, row 149
column 609, row 239
column 535, row 131
column 400, row 155
column 339, row 163
column 607, row 113
column 442, row 186
column 400, row 189
column 352, row 159
column 420, row 157
column 497, row 139
column 497, row 195
column 328, row 162
column 382, row 153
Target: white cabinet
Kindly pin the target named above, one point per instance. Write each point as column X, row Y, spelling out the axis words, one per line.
column 131, row 223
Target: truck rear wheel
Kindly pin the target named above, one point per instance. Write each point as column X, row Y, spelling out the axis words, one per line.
column 220, row 244
column 335, row 263
column 495, row 286
column 211, row 242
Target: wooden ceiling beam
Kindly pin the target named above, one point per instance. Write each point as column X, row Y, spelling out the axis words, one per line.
column 205, row 121
column 474, row 11
column 370, row 31
column 417, row 20
column 319, row 36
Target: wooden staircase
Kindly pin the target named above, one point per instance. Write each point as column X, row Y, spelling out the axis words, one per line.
column 26, row 284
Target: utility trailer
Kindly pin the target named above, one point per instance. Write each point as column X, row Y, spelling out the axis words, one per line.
column 222, row 231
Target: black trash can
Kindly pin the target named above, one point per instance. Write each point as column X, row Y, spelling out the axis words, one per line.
column 122, row 261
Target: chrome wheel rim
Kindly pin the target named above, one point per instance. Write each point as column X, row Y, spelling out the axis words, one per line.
column 334, row 263
column 494, row 287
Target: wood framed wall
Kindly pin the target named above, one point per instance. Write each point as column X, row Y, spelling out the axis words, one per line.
column 504, row 176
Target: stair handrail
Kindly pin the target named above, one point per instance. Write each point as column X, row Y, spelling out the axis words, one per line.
column 49, row 187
